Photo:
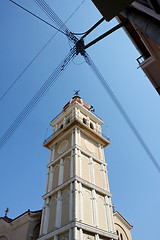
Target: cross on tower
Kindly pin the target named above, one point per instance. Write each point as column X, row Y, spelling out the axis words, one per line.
column 6, row 212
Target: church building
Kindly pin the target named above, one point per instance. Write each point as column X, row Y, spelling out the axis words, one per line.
column 77, row 200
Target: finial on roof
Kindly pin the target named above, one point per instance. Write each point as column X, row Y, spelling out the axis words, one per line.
column 6, row 212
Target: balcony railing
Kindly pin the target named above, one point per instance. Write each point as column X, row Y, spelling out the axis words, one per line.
column 67, row 123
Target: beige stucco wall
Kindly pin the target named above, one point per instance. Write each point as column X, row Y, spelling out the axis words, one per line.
column 55, row 174
column 67, row 164
column 85, row 168
column 22, row 228
column 65, row 206
column 98, row 174
column 5, row 229
column 52, row 213
column 87, row 206
column 102, row 221
column 62, row 145
column 89, row 145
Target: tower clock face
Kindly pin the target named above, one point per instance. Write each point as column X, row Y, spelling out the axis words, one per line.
column 89, row 145
column 62, row 147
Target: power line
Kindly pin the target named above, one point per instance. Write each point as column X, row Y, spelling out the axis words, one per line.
column 53, row 16
column 37, row 16
column 89, row 61
column 122, row 111
column 38, row 96
column 14, row 82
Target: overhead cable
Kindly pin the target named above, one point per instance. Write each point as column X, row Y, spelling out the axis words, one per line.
column 122, row 111
column 37, row 17
column 14, row 82
column 38, row 96
column 53, row 16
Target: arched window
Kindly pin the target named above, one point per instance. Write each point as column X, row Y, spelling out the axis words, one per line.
column 121, row 236
column 91, row 126
column 68, row 120
column 84, row 121
column 117, row 234
column 61, row 126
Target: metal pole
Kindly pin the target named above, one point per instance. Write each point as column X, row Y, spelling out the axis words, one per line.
column 105, row 34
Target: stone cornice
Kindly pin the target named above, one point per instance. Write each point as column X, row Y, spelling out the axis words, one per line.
column 83, row 226
column 81, row 180
column 82, row 150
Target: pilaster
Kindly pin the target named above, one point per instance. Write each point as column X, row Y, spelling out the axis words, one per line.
column 61, row 169
column 71, row 167
column 95, row 213
column 58, row 210
column 75, row 200
column 71, row 203
column 50, row 179
column 46, row 216
column 70, row 234
column 80, row 203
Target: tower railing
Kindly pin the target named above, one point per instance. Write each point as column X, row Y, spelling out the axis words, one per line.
column 68, row 122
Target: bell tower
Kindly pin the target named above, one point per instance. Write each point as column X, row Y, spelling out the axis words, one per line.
column 77, row 202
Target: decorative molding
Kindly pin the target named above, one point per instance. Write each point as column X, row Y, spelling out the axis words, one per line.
column 81, row 180
column 63, row 146
column 82, row 226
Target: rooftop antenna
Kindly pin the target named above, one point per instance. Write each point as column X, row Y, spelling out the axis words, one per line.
column 46, row 134
column 107, row 132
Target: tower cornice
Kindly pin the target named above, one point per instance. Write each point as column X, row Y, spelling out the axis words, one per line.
column 75, row 122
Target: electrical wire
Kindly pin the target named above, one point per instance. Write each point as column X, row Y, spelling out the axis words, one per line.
column 122, row 111
column 14, row 82
column 37, row 97
column 53, row 16
column 115, row 100
column 37, row 17
column 89, row 61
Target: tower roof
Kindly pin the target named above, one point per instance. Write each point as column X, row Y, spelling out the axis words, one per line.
column 76, row 99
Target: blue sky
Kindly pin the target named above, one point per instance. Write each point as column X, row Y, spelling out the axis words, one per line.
column 134, row 181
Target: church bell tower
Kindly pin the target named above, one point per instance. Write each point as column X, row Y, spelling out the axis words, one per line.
column 77, row 202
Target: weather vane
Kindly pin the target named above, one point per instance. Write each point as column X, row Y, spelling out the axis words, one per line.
column 76, row 92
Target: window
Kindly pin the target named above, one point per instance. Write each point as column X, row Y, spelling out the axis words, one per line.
column 117, row 234
column 121, row 236
column 68, row 120
column 61, row 126
column 84, row 121
column 91, row 126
